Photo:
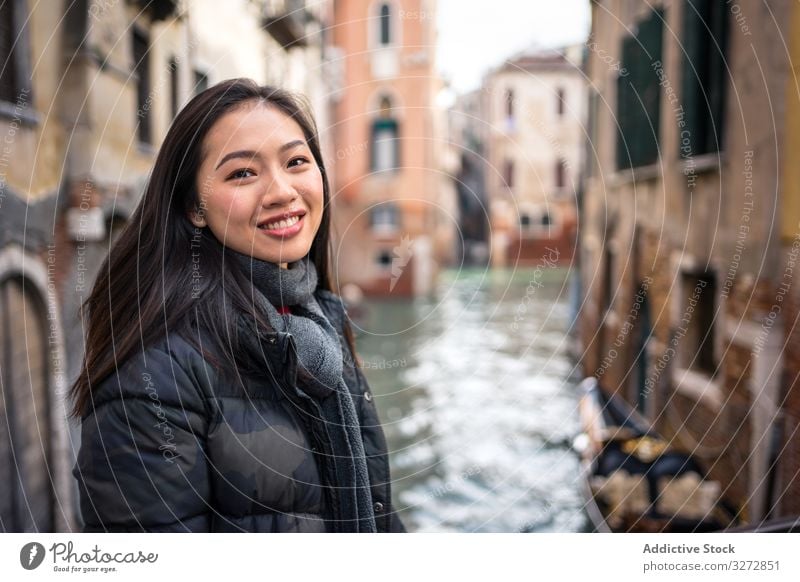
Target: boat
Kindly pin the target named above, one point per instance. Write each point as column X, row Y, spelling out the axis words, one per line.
column 634, row 481
column 778, row 525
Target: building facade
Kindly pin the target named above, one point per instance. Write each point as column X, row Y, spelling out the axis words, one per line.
column 689, row 229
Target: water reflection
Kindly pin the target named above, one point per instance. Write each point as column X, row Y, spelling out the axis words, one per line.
column 479, row 406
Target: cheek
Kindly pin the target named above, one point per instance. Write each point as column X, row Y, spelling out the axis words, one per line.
column 314, row 192
column 317, row 206
column 227, row 208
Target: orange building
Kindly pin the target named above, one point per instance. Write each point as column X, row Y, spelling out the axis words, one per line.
column 392, row 203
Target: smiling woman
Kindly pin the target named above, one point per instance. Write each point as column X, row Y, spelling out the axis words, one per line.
column 220, row 389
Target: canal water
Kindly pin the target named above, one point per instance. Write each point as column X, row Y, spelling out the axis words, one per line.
column 478, row 398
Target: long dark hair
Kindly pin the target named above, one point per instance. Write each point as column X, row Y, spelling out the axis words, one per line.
column 148, row 285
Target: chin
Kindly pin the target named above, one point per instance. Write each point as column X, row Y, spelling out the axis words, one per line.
column 288, row 255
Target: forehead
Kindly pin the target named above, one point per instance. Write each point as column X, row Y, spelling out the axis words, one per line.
column 252, row 125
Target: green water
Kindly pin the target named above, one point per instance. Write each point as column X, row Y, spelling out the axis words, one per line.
column 477, row 395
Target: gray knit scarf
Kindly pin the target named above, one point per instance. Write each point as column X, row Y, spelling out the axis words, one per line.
column 319, row 354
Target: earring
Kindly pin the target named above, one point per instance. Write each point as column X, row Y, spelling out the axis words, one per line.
column 198, row 220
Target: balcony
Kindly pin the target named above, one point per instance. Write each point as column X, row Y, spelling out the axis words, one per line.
column 286, row 21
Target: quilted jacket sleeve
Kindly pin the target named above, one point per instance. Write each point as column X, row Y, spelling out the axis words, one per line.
column 142, row 464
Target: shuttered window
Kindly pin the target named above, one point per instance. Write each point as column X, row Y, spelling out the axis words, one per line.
column 385, row 145
column 705, row 39
column 385, row 25
column 590, row 144
column 141, row 63
column 639, row 95
column 508, row 174
column 8, row 75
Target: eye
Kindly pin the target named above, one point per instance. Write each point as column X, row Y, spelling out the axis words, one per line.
column 300, row 159
column 240, row 174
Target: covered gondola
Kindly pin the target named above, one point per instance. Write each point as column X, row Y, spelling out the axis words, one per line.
column 634, row 481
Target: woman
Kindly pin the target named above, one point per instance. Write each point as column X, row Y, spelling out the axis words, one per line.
column 219, row 390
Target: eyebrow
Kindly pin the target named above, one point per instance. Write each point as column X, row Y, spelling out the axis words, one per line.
column 252, row 154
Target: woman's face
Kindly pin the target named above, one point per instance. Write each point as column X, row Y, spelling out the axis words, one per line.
column 260, row 189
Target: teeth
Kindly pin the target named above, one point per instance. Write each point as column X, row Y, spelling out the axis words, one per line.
column 281, row 223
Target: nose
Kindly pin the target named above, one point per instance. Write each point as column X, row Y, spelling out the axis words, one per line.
column 280, row 192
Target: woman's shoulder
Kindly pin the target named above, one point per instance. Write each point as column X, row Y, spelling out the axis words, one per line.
column 170, row 371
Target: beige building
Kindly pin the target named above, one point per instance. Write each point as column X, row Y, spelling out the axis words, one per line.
column 684, row 264
column 535, row 106
column 88, row 94
column 393, row 201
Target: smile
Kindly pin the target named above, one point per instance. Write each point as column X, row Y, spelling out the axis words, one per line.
column 283, row 228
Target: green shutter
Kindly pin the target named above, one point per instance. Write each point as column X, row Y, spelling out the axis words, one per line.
column 639, row 95
column 625, row 104
column 704, row 39
column 717, row 74
column 650, row 42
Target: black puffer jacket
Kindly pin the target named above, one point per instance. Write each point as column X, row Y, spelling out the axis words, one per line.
column 171, row 447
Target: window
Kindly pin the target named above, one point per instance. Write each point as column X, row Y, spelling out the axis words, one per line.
column 705, row 32
column 385, row 25
column 384, row 259
column 200, row 81
column 591, row 150
column 508, row 174
column 384, row 217
column 509, row 110
column 641, row 335
column 509, row 104
column 385, row 154
column 608, row 292
column 560, row 173
column 536, row 222
column 14, row 64
column 173, row 86
column 384, row 145
column 141, row 65
column 638, row 95
column 697, row 322
column 560, row 105
column 8, row 76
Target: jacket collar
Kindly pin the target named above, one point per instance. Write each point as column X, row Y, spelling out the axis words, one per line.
column 279, row 347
